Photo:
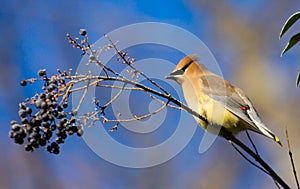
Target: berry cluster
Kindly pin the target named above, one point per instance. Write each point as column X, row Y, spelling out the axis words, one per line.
column 45, row 121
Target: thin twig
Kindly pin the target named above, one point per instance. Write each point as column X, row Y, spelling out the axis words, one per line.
column 139, row 86
column 135, row 70
column 147, row 89
column 276, row 183
column 82, row 97
column 115, row 97
column 228, row 136
column 167, row 97
column 254, row 164
column 248, row 135
column 67, row 92
column 136, row 118
column 251, row 162
column 291, row 158
column 119, row 87
column 85, row 86
column 97, row 61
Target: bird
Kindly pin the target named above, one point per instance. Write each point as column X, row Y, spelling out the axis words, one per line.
column 223, row 105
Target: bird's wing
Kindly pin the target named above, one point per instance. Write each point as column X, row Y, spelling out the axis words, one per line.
column 237, row 108
column 231, row 97
column 235, row 101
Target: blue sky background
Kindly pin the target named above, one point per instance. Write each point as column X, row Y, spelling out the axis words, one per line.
column 243, row 36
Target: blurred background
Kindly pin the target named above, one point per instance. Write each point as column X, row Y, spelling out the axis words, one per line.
column 243, row 36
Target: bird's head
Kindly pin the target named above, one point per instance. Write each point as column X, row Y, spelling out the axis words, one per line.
column 187, row 68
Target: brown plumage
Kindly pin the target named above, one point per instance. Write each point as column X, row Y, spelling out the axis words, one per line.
column 219, row 101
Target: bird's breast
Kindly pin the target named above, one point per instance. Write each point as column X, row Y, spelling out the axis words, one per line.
column 216, row 114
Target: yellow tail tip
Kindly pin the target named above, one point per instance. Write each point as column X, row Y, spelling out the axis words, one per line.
column 277, row 140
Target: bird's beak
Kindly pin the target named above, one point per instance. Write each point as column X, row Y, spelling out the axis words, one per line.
column 169, row 77
column 175, row 74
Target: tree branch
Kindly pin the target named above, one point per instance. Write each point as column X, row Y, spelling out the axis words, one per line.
column 227, row 135
column 292, row 159
column 257, row 158
column 50, row 105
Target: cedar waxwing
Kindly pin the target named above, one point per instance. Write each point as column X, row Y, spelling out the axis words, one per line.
column 217, row 100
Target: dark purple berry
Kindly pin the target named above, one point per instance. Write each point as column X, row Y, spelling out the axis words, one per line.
column 48, row 135
column 55, row 113
column 45, row 124
column 82, row 32
column 21, row 133
column 56, row 151
column 42, row 141
column 54, row 145
column 49, row 96
column 54, row 104
column 53, row 127
column 80, row 132
column 36, row 129
column 13, row 122
column 43, row 96
column 15, row 127
column 63, row 135
column 11, row 134
column 45, row 117
column 59, row 140
column 35, row 121
column 42, row 72
column 32, row 140
column 59, row 108
column 37, row 104
column 23, row 83
column 28, row 110
column 49, row 148
column 35, row 145
column 24, row 120
column 74, row 128
column 70, row 132
column 62, row 115
column 19, row 140
column 43, row 105
column 65, row 105
column 64, row 120
column 74, row 112
column 22, row 113
column 52, row 87
column 28, row 147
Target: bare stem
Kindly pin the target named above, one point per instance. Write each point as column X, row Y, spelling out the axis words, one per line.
column 170, row 101
column 250, row 161
column 248, row 135
column 123, row 56
column 291, row 158
column 257, row 158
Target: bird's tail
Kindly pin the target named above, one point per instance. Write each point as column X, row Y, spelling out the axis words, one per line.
column 258, row 125
column 275, row 138
column 262, row 129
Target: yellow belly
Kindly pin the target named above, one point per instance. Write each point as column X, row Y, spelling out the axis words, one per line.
column 218, row 116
